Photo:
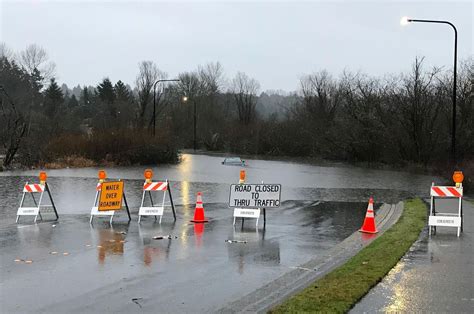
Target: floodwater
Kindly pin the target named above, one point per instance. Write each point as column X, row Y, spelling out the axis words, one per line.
column 74, row 266
column 74, row 189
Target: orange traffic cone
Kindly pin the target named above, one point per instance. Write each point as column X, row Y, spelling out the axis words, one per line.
column 199, row 211
column 369, row 221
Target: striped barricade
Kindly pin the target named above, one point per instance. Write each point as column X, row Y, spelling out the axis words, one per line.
column 445, row 219
column 31, row 189
column 155, row 210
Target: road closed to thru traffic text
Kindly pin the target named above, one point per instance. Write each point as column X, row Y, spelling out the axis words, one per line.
column 255, row 195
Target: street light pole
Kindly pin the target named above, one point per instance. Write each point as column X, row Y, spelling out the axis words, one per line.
column 194, row 142
column 154, row 101
column 405, row 21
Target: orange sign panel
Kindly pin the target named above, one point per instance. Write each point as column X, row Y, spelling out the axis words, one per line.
column 111, row 196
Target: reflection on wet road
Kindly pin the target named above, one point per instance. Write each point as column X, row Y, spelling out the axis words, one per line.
column 172, row 263
column 178, row 266
column 435, row 276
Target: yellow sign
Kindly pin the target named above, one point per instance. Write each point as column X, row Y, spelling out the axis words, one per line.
column 111, row 196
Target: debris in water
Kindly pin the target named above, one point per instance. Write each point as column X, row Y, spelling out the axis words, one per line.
column 65, row 253
column 28, row 261
column 135, row 300
column 164, row 237
column 235, row 241
column 120, row 232
column 53, row 226
column 18, row 260
column 53, row 253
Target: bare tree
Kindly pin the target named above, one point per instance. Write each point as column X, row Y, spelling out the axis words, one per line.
column 35, row 59
column 244, row 90
column 321, row 96
column 419, row 111
column 148, row 74
column 211, row 78
column 5, row 52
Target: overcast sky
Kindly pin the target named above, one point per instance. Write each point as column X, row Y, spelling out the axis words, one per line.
column 273, row 42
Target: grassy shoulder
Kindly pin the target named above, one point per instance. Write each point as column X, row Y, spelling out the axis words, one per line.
column 339, row 290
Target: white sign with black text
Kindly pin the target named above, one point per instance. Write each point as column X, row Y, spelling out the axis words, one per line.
column 445, row 221
column 255, row 195
column 247, row 213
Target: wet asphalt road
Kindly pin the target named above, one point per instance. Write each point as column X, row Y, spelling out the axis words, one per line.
column 106, row 270
column 76, row 267
column 435, row 276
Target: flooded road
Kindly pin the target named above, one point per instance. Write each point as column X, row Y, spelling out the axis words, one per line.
column 74, row 189
column 72, row 266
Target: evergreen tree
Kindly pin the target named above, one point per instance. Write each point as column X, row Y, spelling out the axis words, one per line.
column 73, row 102
column 15, row 88
column 85, row 97
column 125, row 109
column 121, row 92
column 106, row 91
column 53, row 99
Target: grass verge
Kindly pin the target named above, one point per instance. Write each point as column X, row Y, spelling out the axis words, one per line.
column 339, row 290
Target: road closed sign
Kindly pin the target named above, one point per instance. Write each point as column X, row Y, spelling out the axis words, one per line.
column 111, row 196
column 255, row 195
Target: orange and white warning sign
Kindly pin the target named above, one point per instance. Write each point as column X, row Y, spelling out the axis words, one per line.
column 111, row 196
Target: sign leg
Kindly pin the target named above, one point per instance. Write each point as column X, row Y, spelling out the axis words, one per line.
column 171, row 200
column 151, row 198
column 126, row 206
column 264, row 217
column 52, row 202
column 34, row 200
column 95, row 203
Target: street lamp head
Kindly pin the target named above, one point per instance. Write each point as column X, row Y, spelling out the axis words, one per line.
column 404, row 21
column 185, row 98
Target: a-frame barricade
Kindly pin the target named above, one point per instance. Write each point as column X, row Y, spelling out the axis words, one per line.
column 446, row 219
column 95, row 207
column 150, row 187
column 31, row 189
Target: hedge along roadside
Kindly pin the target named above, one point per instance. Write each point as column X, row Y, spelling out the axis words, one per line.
column 339, row 290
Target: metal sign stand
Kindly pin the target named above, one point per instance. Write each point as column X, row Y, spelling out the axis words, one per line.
column 35, row 211
column 445, row 219
column 95, row 207
column 155, row 210
column 250, row 213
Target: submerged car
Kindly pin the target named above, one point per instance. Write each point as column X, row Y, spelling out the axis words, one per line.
column 233, row 161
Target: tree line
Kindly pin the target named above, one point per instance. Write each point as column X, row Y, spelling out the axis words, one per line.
column 394, row 119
